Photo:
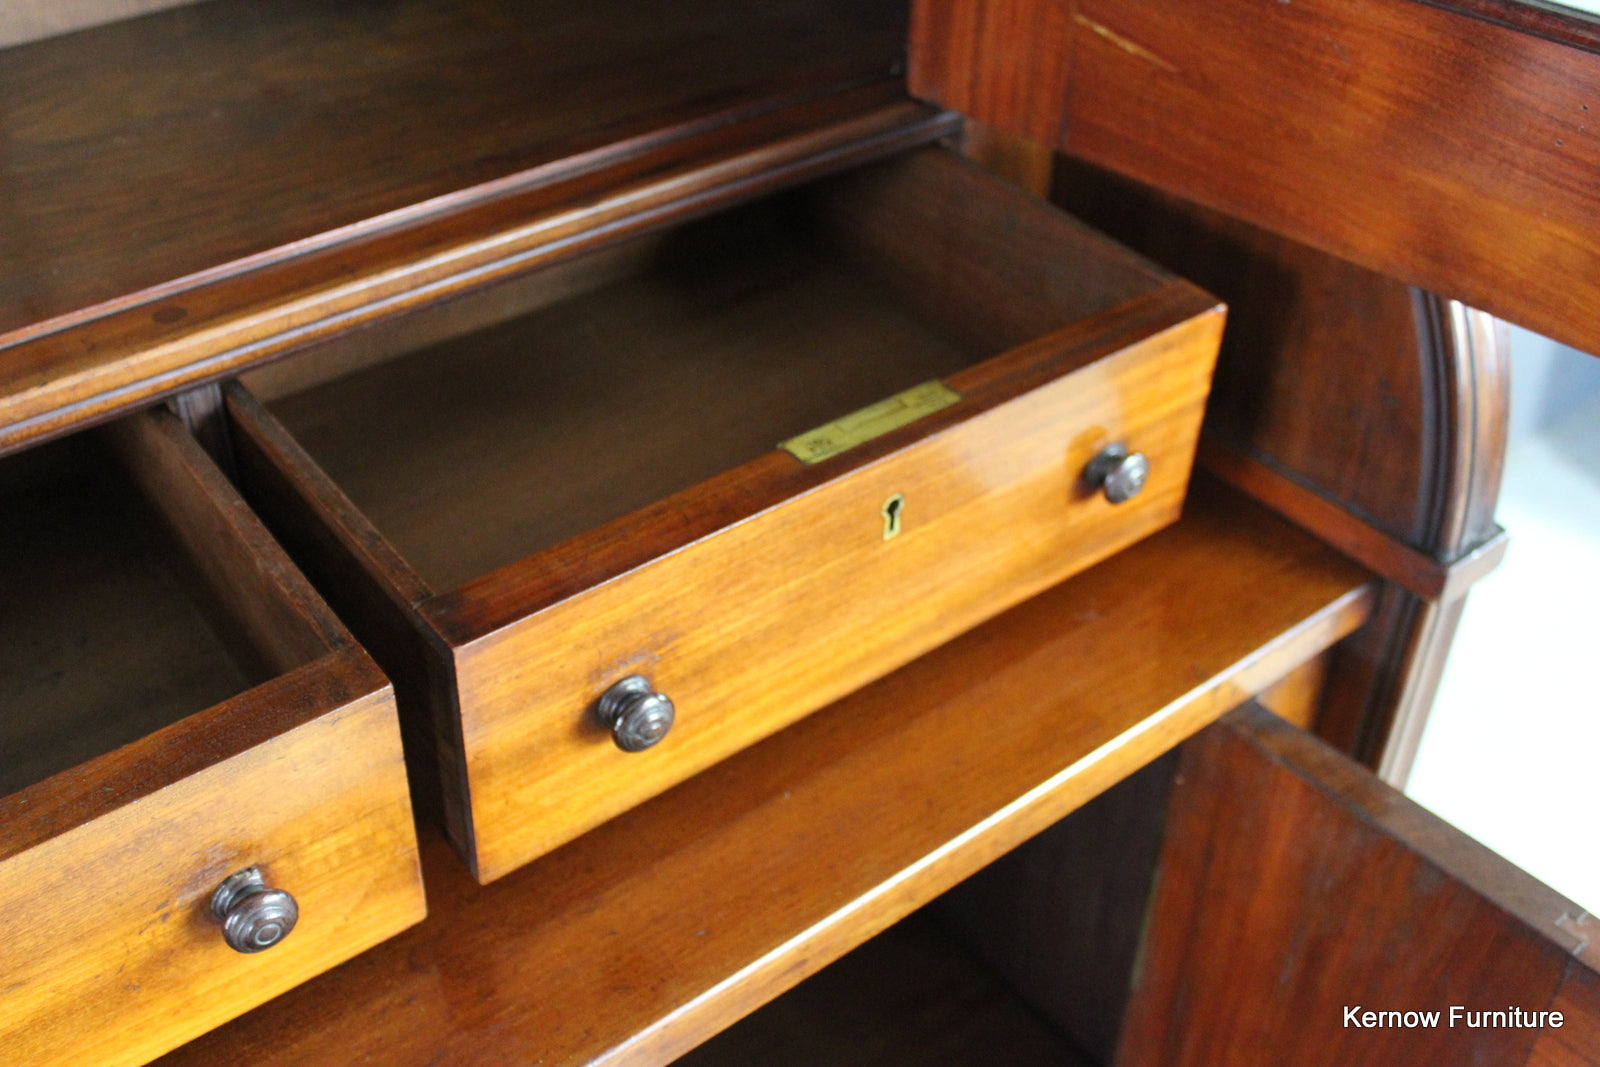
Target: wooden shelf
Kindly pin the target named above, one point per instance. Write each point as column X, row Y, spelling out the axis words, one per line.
column 910, row 995
column 646, row 936
column 194, row 191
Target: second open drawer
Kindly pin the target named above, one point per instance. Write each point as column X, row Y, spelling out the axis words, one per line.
column 525, row 497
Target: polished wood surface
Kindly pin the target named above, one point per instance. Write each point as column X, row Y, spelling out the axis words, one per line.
column 756, row 626
column 644, row 937
column 1007, row 64
column 490, row 447
column 1297, row 699
column 676, row 535
column 63, row 374
column 1317, row 345
column 108, row 949
column 260, row 595
column 166, row 772
column 1294, row 885
column 1447, row 151
column 195, row 139
column 1413, row 571
column 910, row 995
column 1578, row 999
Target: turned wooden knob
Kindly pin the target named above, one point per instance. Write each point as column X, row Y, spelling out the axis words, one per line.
column 1118, row 473
column 254, row 917
column 635, row 713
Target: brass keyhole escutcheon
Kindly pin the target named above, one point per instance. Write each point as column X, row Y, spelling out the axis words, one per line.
column 893, row 515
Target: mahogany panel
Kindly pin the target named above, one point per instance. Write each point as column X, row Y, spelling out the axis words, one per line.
column 1575, row 1043
column 642, row 938
column 1295, row 887
column 1369, row 412
column 1419, row 574
column 1445, row 150
column 158, row 148
column 1315, row 346
column 953, row 47
column 1544, row 18
column 83, row 369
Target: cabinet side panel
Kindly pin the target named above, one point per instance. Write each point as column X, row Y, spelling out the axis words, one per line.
column 1296, row 894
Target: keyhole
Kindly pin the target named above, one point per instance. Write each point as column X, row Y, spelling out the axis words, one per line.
column 892, row 510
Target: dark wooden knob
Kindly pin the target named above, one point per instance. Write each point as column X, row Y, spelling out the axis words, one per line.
column 1118, row 473
column 254, row 917
column 636, row 714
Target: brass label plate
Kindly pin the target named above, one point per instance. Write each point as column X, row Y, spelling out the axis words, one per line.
column 874, row 420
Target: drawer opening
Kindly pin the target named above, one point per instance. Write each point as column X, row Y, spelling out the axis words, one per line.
column 109, row 629
column 478, row 432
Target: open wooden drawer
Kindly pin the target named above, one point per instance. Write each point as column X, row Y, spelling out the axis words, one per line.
column 179, row 709
column 524, row 498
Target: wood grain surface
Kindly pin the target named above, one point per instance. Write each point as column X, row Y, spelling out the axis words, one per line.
column 1448, row 151
column 774, row 617
column 1578, row 999
column 186, row 142
column 255, row 586
column 644, row 937
column 1371, row 412
column 1293, row 885
column 1061, row 917
column 66, row 374
column 107, row 864
column 107, row 945
column 733, row 334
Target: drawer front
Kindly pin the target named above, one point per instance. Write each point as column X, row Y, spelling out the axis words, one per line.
column 110, row 952
column 753, row 627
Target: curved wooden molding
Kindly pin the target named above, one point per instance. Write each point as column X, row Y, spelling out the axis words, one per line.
column 1385, row 555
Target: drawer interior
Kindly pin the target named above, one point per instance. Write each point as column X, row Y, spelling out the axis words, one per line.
column 109, row 629
column 479, row 432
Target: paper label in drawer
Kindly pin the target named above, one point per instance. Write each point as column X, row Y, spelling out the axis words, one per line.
column 872, row 421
